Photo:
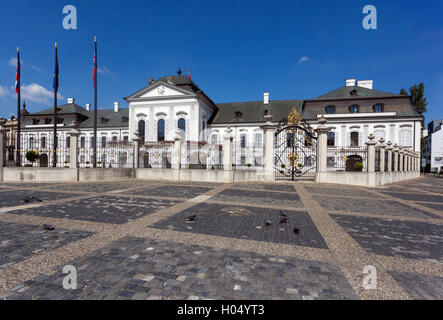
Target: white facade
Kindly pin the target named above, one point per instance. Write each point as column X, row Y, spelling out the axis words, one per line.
column 433, row 150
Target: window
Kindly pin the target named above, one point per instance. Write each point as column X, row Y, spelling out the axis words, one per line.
column 379, row 134
column 354, row 139
column 353, row 109
column 82, row 142
column 308, row 140
column 114, row 138
column 258, row 140
column 35, row 121
column 289, row 139
column 125, row 138
column 48, row 120
column 243, row 141
column 161, row 130
column 43, row 142
column 330, row 110
column 92, row 142
column 331, row 139
column 214, row 139
column 31, row 142
column 59, row 120
column 379, row 108
column 68, row 142
column 405, row 138
column 238, row 114
column 104, row 142
column 141, row 129
column 182, row 124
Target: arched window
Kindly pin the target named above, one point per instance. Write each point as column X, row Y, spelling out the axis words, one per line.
column 354, row 139
column 68, row 142
column 104, row 142
column 141, row 129
column 379, row 108
column 353, row 108
column 330, row 110
column 379, row 134
column 331, row 139
column 161, row 130
column 214, row 139
column 243, row 141
column 125, row 138
column 82, row 142
column 182, row 124
column 114, row 138
column 405, row 138
column 258, row 140
column 44, row 142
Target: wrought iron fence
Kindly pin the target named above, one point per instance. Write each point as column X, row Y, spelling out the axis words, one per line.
column 246, row 157
column 347, row 159
column 201, row 155
column 386, row 160
column 377, row 159
column 110, row 153
column 37, row 150
column 156, row 155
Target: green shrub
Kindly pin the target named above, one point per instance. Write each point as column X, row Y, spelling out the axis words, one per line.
column 32, row 156
column 283, row 166
column 249, row 165
column 300, row 165
column 358, row 166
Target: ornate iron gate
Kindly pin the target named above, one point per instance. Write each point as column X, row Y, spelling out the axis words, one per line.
column 295, row 149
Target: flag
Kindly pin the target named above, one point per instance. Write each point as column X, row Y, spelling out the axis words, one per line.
column 189, row 72
column 94, row 68
column 55, row 84
column 17, row 75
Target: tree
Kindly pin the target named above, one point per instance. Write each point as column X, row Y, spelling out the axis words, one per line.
column 417, row 93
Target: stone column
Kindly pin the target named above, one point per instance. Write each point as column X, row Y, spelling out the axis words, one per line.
column 227, row 155
column 395, row 152
column 2, row 148
column 137, row 140
column 371, row 153
column 382, row 147
column 401, row 158
column 269, row 131
column 322, row 147
column 389, row 148
column 73, row 144
column 176, row 158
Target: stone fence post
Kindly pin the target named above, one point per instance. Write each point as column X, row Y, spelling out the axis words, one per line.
column 137, row 140
column 227, row 155
column 382, row 147
column 269, row 131
column 73, row 144
column 176, row 157
column 371, row 153
column 389, row 148
column 395, row 151
column 400, row 159
column 2, row 148
column 322, row 147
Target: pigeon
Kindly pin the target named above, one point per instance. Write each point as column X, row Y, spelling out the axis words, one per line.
column 284, row 220
column 268, row 223
column 30, row 198
column 191, row 218
column 48, row 227
column 296, row 231
column 282, row 214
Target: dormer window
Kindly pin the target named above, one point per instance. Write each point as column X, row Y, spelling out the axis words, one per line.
column 238, row 114
column 35, row 121
column 353, row 92
column 353, row 109
column 330, row 109
column 379, row 108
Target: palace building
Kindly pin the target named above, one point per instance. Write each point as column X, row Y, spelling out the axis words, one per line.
column 175, row 104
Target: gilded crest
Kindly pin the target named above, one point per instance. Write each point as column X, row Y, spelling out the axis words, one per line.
column 294, row 117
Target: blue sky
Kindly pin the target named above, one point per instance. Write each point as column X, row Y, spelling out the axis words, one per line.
column 236, row 49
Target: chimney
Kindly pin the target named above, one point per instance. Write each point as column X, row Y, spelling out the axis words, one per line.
column 116, row 106
column 266, row 98
column 70, row 100
column 88, row 107
column 350, row 82
column 365, row 84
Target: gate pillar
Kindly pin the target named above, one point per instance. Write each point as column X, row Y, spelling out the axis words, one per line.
column 269, row 131
column 322, row 149
column 73, row 145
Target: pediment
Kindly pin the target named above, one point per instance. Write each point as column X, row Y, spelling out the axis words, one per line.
column 160, row 90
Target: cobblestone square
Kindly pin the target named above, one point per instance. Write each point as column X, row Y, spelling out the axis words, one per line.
column 131, row 240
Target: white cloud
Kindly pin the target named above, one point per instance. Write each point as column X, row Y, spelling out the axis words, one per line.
column 3, row 91
column 303, row 59
column 13, row 62
column 37, row 93
column 104, row 71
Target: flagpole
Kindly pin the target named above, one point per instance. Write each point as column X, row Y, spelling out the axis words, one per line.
column 55, row 85
column 94, row 155
column 18, row 160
